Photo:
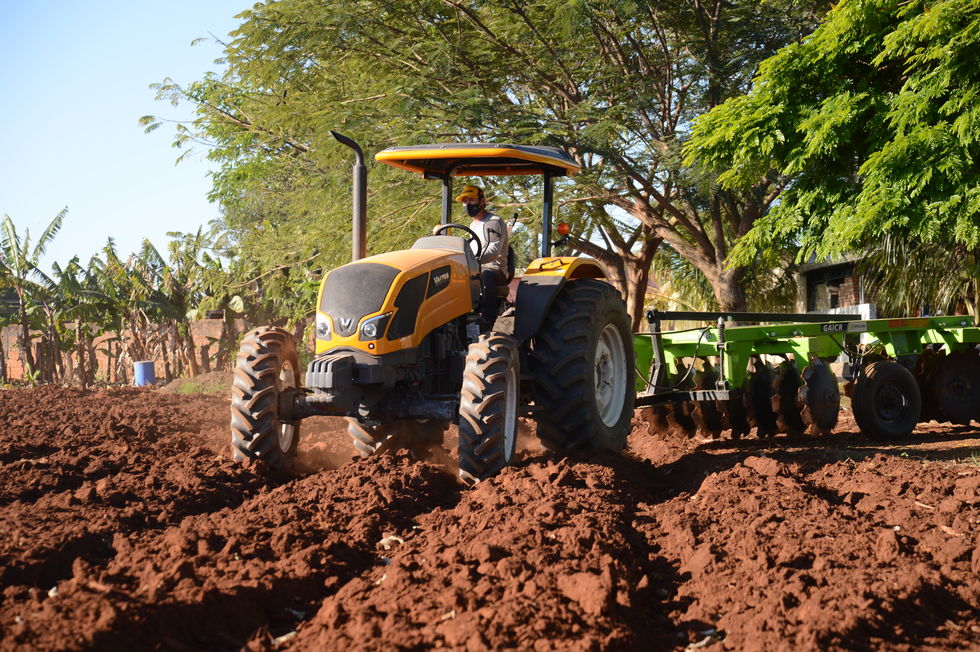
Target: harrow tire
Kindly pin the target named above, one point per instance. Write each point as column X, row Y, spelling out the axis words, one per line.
column 266, row 365
column 582, row 365
column 886, row 401
column 956, row 386
column 488, row 407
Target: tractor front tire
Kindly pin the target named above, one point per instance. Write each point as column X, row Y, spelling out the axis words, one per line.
column 267, row 364
column 488, row 407
column 582, row 366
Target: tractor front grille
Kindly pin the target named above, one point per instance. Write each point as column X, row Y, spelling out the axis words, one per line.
column 355, row 290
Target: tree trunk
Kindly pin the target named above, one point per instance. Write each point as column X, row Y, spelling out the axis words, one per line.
column 729, row 291
column 25, row 337
column 638, row 275
column 80, row 349
column 92, row 367
column 186, row 347
column 3, row 360
column 54, row 346
column 226, row 342
column 205, row 358
column 122, row 371
column 68, row 362
column 110, row 369
column 165, row 354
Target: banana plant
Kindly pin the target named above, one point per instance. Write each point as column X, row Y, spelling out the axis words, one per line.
column 19, row 261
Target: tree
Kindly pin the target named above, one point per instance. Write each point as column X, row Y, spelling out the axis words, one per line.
column 868, row 128
column 615, row 83
column 19, row 263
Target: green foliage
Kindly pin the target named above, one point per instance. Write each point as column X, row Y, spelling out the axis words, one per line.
column 946, row 277
column 872, row 123
column 19, row 271
column 615, row 83
column 769, row 283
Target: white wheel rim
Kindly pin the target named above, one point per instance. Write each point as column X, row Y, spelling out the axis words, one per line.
column 510, row 414
column 610, row 374
column 287, row 378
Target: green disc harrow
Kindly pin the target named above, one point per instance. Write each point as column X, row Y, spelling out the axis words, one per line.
column 774, row 376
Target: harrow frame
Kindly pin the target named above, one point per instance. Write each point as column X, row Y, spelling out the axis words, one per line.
column 808, row 337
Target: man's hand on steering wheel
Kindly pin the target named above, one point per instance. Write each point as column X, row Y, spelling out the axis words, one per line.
column 473, row 241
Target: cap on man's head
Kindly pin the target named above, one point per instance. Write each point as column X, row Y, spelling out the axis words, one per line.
column 471, row 192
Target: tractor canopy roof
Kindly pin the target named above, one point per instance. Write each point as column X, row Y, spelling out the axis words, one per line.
column 479, row 159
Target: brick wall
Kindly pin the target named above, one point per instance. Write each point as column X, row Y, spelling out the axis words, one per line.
column 850, row 291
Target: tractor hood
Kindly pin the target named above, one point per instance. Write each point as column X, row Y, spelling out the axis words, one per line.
column 407, row 292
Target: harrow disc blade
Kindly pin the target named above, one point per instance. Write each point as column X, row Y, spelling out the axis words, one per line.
column 706, row 414
column 925, row 375
column 735, row 416
column 957, row 386
column 786, row 383
column 819, row 398
column 655, row 418
column 679, row 415
column 680, row 419
column 758, row 399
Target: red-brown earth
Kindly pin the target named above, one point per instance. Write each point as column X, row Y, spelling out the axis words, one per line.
column 125, row 525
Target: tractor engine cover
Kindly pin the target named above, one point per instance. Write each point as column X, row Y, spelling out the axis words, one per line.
column 388, row 303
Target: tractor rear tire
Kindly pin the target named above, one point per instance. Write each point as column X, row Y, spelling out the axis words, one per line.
column 886, row 401
column 582, row 366
column 267, row 364
column 488, row 407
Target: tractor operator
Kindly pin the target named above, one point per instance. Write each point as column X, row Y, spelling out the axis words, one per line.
column 492, row 232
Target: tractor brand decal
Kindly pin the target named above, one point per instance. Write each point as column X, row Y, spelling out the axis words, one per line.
column 845, row 327
column 346, row 323
column 440, row 279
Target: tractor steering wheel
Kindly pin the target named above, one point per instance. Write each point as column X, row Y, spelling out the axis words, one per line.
column 473, row 241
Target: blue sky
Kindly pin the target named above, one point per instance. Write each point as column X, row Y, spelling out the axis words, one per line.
column 74, row 81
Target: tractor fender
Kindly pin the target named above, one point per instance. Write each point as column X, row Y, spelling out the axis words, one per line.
column 539, row 286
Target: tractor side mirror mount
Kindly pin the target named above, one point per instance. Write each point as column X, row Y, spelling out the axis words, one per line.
column 565, row 231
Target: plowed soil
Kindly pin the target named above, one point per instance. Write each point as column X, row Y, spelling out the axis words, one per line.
column 125, row 525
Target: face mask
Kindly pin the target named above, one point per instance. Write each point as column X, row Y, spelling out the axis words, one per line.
column 473, row 209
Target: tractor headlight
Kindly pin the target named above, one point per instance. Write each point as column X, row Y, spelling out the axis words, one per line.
column 322, row 327
column 374, row 328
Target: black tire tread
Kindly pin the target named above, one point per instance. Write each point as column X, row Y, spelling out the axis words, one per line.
column 862, row 398
column 255, row 423
column 482, row 406
column 563, row 396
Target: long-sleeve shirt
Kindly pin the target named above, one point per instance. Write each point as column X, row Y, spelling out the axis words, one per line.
column 492, row 231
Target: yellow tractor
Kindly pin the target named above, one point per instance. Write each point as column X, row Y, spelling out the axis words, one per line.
column 401, row 351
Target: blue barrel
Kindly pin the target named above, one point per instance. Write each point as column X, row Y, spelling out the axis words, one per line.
column 143, row 373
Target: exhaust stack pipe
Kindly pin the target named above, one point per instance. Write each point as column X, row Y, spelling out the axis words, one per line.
column 359, row 232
